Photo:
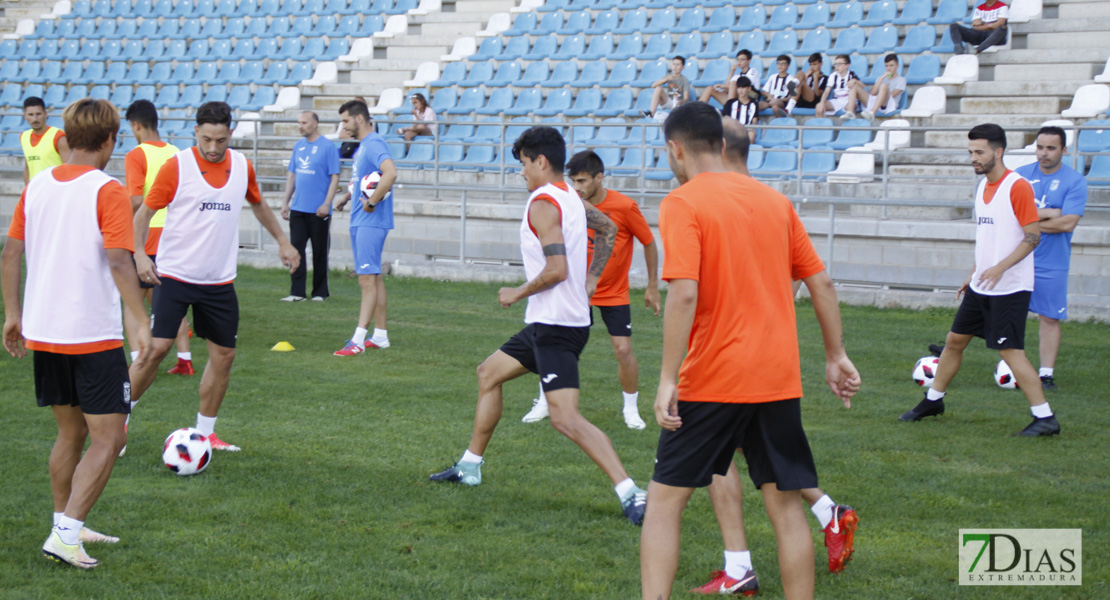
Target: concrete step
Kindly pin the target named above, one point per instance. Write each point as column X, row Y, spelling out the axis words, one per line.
column 456, row 29
column 350, row 90
column 1083, row 10
column 420, row 53
column 958, row 139
column 383, row 64
column 490, row 6
column 1068, row 39
column 406, row 41
column 1010, row 106
column 383, row 78
column 1045, row 71
column 1094, row 55
column 1069, row 26
column 1007, row 121
column 933, row 171
column 1017, row 89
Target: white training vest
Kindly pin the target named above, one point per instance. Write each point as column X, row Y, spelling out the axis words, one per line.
column 565, row 304
column 200, row 243
column 71, row 297
column 997, row 234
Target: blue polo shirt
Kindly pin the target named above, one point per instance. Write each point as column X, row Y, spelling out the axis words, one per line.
column 313, row 164
column 372, row 152
column 1065, row 189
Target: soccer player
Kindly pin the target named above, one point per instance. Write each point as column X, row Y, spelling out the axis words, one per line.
column 1061, row 196
column 43, row 146
column 370, row 223
column 141, row 167
column 74, row 223
column 203, row 189
column 586, row 173
column 309, row 191
column 553, row 243
column 996, row 295
column 715, row 221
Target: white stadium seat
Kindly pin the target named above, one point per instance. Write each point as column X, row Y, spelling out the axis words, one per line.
column 426, row 7
column 899, row 132
column 527, row 6
column 856, row 164
column 387, row 101
column 960, row 69
column 1023, row 11
column 362, row 48
column 497, row 23
column 426, row 72
column 464, row 47
column 927, row 101
column 1089, row 101
column 1105, row 76
column 288, row 97
column 395, row 25
column 326, row 72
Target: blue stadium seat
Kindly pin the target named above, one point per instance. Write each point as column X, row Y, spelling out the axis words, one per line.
column 401, row 7
column 564, row 74
column 784, row 16
column 336, row 47
column 753, row 41
column 616, row 103
column 122, row 95
column 175, row 50
column 250, row 72
column 419, row 156
column 189, row 30
column 168, row 30
column 529, row 100
column 601, row 46
column 945, row 44
column 851, row 134
column 444, row 99
column 847, row 14
column 348, row 26
column 86, row 28
column 662, row 20
column 478, row 158
column 918, row 39
column 573, row 47
column 881, row 41
column 159, row 73
column 313, row 49
column 880, row 13
column 658, row 45
column 849, row 41
column 100, row 92
column 536, row 73
column 1095, row 140
column 132, row 51
column 812, row 137
column 1100, row 169
column 553, row 6
column 815, row 16
column 651, row 73
column 203, row 8
column 585, row 103
column 229, row 71
column 634, row 21
column 290, row 7
column 95, row 72
column 309, row 8
column 923, row 69
column 143, row 8
column 507, row 74
column 297, row 73
column 818, row 164
column 661, row 171
column 782, row 42
column 630, row 46
column 136, row 73
column 257, row 27
column 212, row 28
column 181, row 73
column 778, row 138
column 35, row 89
column 581, row 132
column 469, row 101
column 219, row 49
column 715, row 71
column 236, row 28
column 643, row 103
column 263, row 96
column 877, row 69
column 226, row 8
column 74, row 94
column 592, row 75
column 691, row 71
column 693, row 19
column 542, row 48
column 550, row 23
column 60, row 51
column 720, row 45
column 459, row 129
column 688, row 44
column 50, row 72
column 498, row 102
column 776, row 164
column 290, row 48
column 10, row 94
column 45, row 28
column 217, row 93
column 266, row 8
column 28, row 49
column 720, row 20
column 491, row 47
column 860, row 66
column 450, row 153
column 9, row 70
column 276, row 72
column 70, row 74
column 122, row 8
column 478, row 75
column 577, row 22
column 147, row 29
column 28, row 71
column 516, row 47
column 605, row 22
column 109, row 50
column 106, row 29
column 914, row 12
column 452, row 74
column 523, row 24
column 162, row 8
column 903, row 101
column 613, row 130
column 80, row 10
column 949, row 11
column 301, row 25
column 190, row 97
column 144, row 92
column 487, row 133
column 609, row 156
column 556, row 102
column 279, row 27
column 751, row 19
column 243, row 49
column 621, row 75
column 818, row 40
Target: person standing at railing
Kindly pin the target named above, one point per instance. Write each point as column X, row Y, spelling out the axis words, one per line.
column 1061, row 196
column 43, row 146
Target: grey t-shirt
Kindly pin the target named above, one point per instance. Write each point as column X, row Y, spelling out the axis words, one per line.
column 676, row 90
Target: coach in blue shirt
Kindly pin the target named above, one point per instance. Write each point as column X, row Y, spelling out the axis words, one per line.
column 1061, row 194
column 309, row 189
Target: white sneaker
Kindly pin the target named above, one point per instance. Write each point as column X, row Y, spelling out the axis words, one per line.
column 88, row 536
column 71, row 554
column 292, row 298
column 870, row 116
column 380, row 344
column 538, row 413
column 318, row 298
column 633, row 420
column 848, row 115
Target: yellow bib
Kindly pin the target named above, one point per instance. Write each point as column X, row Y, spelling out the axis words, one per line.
column 42, row 156
column 155, row 158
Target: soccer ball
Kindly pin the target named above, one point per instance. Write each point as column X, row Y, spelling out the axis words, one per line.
column 187, row 451
column 1004, row 377
column 925, row 370
column 369, row 182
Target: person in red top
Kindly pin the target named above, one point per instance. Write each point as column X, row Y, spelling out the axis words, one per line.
column 733, row 247
column 203, row 188
column 140, row 167
column 586, row 171
column 74, row 223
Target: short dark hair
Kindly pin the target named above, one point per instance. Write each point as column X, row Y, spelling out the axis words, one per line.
column 216, row 113
column 586, row 161
column 33, row 101
column 816, row 58
column 744, row 52
column 736, row 140
column 695, row 125
column 143, row 113
column 783, row 57
column 1054, row 130
column 542, row 140
column 994, row 134
column 355, row 108
column 743, row 81
column 890, row 57
column 681, row 58
column 847, row 59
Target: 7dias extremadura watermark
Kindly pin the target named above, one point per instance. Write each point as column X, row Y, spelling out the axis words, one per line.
column 1021, row 557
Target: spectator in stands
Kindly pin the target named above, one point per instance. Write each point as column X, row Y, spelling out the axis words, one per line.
column 988, row 27
column 887, row 91
column 779, row 88
column 671, row 91
column 425, row 117
column 39, row 156
column 811, row 85
column 743, row 108
column 724, row 92
column 840, row 94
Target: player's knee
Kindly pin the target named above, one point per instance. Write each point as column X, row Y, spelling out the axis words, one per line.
column 956, row 341
column 566, row 422
column 623, row 351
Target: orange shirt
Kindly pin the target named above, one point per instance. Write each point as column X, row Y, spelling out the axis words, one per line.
column 744, row 245
column 612, row 287
column 1021, row 197
column 113, row 214
column 134, row 169
column 216, row 174
column 37, row 137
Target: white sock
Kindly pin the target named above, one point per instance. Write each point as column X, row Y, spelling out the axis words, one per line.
column 360, row 336
column 380, row 334
column 57, row 516
column 1046, row 371
column 184, row 356
column 823, row 510
column 68, row 529
column 134, row 355
column 737, row 563
column 1041, row 411
column 933, row 395
column 789, row 107
column 630, row 400
column 625, row 488
column 543, row 396
column 470, row 457
column 206, row 425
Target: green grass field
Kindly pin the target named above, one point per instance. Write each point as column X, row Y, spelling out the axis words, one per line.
column 330, row 497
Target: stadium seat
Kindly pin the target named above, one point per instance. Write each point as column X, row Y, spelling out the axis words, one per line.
column 720, row 20
column 959, row 69
column 263, row 96
column 662, row 20
column 372, row 24
column 1095, row 140
column 348, row 26
column 250, row 72
column 290, row 48
column 90, row 49
column 189, row 30
column 782, row 42
column 507, row 74
column 651, row 73
column 616, row 103
column 48, row 72
column 777, row 164
column 918, row 39
column 814, row 16
column 719, row 45
column 256, row 28
column 159, row 73
column 536, row 73
column 852, row 134
column 585, row 103
column 80, row 9
column 9, row 70
column 119, row 72
column 542, row 48
column 752, row 18
column 449, row 153
column 923, row 69
column 880, row 13
column 949, row 11
column 10, row 94
column 634, row 161
column 662, row 169
column 45, row 28
column 601, row 46
column 715, row 72
column 849, row 41
column 74, row 94
column 100, row 92
column 175, row 50
column 881, row 41
column 212, row 28
column 691, row 70
column 86, row 29
column 478, row 158
column 813, row 137
column 243, row 49
column 106, row 29
column 487, row 133
column 469, row 101
column 94, row 73
column 313, row 49
column 573, row 47
column 818, row 40
column 550, row 24
column 818, row 164
column 401, row 7
column 1089, row 101
column 783, row 17
column 203, row 8
column 70, row 74
column 847, row 14
column 148, row 29
column 523, row 24
column 181, row 73
column 459, row 129
column 297, row 73
column 860, row 66
column 693, row 19
column 32, row 50
column 215, row 93
column 643, row 103
column 622, row 74
column 927, row 101
column 122, row 96
column 478, row 75
column 277, row 71
column 309, row 8
column 229, row 71
column 577, row 22
column 205, row 73
column 29, row 71
column 452, row 74
column 753, row 41
column 1100, row 169
column 899, row 132
column 1104, row 77
column 780, row 137
column 634, row 21
column 498, row 102
column 144, row 92
column 688, row 45
column 325, row 26
column 132, row 51
column 237, row 97
column 608, row 155
column 169, row 30
column 514, row 49
column 556, row 102
column 490, row 48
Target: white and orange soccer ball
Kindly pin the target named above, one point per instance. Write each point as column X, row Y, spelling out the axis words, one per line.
column 925, row 370
column 1004, row 376
column 187, row 451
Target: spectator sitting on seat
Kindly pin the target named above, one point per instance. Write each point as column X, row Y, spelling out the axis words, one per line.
column 811, row 84
column 843, row 91
column 887, row 91
column 743, row 108
column 425, row 118
column 723, row 92
column 988, row 27
column 672, row 90
column 779, row 88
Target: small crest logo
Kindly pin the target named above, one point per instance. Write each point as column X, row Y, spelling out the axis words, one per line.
column 1055, row 185
column 1021, row 557
column 127, row 391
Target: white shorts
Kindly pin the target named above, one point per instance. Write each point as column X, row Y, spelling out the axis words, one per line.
column 891, row 104
column 838, row 103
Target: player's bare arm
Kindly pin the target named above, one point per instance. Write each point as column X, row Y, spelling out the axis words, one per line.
column 145, row 268
column 547, row 221
column 63, row 149
column 289, row 255
column 651, row 294
column 11, row 277
column 841, row 375
column 389, row 177
column 134, row 313
column 678, row 321
column 989, row 278
column 605, row 235
column 1058, row 223
column 290, row 187
column 324, row 209
column 344, row 198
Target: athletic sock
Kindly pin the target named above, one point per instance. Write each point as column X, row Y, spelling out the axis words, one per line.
column 134, row 355
column 1041, row 411
column 933, row 395
column 1046, row 371
column 57, row 516
column 133, row 403
column 206, row 425
column 543, row 396
column 68, row 529
column 625, row 488
column 823, row 510
column 380, row 335
column 360, row 336
column 470, row 458
column 185, row 356
column 790, row 105
column 630, row 400
column 737, row 563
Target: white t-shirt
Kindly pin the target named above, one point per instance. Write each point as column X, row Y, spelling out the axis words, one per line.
column 839, row 84
column 752, row 76
column 776, row 86
column 428, row 115
column 992, row 13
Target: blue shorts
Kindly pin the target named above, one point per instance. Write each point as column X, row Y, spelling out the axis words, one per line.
column 1050, row 294
column 367, row 244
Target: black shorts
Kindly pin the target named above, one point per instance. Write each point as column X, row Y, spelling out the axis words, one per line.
column 142, row 284
column 550, row 351
column 1000, row 320
column 97, row 383
column 808, row 104
column 770, row 433
column 618, row 319
column 215, row 311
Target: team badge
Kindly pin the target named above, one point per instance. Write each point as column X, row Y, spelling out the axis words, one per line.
column 1054, row 186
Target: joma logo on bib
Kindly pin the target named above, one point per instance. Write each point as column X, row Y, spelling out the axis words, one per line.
column 224, row 206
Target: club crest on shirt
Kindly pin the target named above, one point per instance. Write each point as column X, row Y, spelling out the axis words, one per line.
column 1055, row 185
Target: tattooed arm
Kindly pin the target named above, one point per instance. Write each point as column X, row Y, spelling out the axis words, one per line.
column 605, row 235
column 545, row 219
column 991, row 276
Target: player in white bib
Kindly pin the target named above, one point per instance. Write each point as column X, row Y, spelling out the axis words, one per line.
column 553, row 243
